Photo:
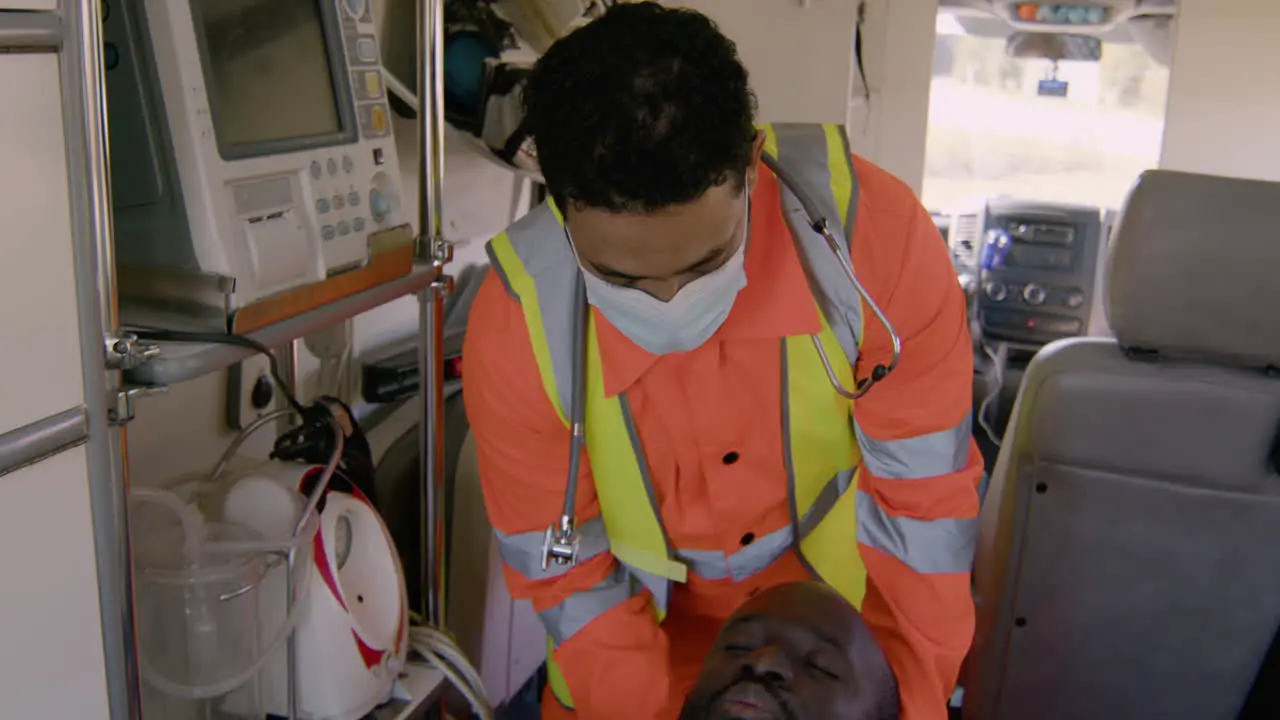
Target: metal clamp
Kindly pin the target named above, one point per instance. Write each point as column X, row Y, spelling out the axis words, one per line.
column 125, row 351
column 120, row 410
column 560, row 544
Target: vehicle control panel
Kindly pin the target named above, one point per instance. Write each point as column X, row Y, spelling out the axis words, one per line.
column 1036, row 265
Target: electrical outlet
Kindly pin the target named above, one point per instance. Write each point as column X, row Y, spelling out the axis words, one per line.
column 251, row 393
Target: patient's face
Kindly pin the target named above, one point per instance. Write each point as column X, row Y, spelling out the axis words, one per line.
column 794, row 652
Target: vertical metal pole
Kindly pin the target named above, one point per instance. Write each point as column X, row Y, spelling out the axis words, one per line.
column 432, row 248
column 84, row 121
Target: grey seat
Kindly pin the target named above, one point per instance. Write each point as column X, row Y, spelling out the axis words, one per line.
column 1129, row 556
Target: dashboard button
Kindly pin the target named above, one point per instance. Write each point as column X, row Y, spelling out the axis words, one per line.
column 1034, row 294
column 996, row 291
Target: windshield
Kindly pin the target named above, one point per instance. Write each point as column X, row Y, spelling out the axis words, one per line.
column 991, row 133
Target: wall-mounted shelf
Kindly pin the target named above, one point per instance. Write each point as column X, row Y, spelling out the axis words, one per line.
column 178, row 362
column 423, row 684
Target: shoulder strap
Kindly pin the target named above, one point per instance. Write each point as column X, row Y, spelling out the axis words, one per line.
column 815, row 161
column 537, row 266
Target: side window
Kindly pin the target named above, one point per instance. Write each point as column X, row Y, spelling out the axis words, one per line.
column 991, row 132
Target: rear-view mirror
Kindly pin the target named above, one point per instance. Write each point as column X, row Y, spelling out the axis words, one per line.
column 1053, row 46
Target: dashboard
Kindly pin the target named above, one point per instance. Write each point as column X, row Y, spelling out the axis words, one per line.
column 1034, row 264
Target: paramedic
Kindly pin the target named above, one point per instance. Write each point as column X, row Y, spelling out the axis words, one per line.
column 719, row 458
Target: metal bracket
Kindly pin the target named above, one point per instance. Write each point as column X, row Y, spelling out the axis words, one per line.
column 120, row 409
column 124, row 351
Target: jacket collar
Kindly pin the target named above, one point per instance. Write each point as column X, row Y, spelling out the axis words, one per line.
column 777, row 301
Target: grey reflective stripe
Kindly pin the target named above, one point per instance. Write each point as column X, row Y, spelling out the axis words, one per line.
column 501, row 271
column 523, row 551
column 802, row 151
column 925, row 456
column 761, row 553
column 926, row 546
column 657, row 585
column 564, row 620
column 539, row 241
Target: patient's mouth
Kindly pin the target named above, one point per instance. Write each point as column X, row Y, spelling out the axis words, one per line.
column 752, row 701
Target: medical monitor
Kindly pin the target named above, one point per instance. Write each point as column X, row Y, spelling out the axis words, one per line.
column 251, row 144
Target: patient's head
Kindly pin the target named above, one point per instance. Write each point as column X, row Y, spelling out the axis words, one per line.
column 795, row 652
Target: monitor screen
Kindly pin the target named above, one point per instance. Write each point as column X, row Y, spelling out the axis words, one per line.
column 268, row 69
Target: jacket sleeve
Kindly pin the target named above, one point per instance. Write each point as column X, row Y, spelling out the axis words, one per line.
column 918, row 506
column 608, row 644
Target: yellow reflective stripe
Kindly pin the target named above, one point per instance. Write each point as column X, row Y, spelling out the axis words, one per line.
column 821, row 444
column 649, row 562
column 832, row 550
column 841, row 172
column 821, row 437
column 555, row 678
column 636, row 537
column 770, row 140
column 522, row 284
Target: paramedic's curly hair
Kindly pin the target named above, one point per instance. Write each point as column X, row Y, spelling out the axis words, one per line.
column 643, row 108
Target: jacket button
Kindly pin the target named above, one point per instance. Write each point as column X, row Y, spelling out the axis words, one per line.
column 730, row 458
column 748, row 538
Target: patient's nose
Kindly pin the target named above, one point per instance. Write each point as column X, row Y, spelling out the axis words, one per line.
column 770, row 661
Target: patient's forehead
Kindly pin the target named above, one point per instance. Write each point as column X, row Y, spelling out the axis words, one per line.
column 810, row 605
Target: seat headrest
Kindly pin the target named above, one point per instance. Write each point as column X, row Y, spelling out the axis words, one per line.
column 1195, row 269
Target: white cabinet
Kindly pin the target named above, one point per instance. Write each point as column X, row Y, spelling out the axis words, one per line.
column 51, row 643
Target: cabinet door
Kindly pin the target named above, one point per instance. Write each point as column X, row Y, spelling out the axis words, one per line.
column 51, row 650
column 40, row 373
column 50, row 632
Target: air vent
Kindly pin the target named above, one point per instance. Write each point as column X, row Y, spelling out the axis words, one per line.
column 964, row 241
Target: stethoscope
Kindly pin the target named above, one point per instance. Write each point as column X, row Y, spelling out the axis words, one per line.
column 560, row 544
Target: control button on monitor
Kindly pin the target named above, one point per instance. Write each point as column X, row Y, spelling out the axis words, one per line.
column 339, row 202
column 344, row 228
column 373, row 84
column 353, row 199
column 322, row 206
column 358, row 224
column 316, row 170
column 379, row 204
column 328, row 232
column 366, row 50
column 378, row 119
column 348, row 165
column 333, row 166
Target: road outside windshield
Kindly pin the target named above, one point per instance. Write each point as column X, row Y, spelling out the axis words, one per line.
column 991, row 134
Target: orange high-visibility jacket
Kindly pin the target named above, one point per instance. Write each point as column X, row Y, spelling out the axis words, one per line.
column 709, row 422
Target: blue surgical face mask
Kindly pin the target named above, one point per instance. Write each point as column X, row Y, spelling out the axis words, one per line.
column 687, row 320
